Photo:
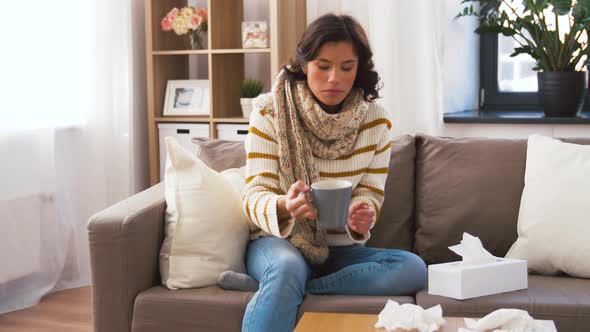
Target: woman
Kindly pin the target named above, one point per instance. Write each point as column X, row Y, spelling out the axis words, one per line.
column 319, row 122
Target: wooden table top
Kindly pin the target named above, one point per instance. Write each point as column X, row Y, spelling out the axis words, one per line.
column 325, row 322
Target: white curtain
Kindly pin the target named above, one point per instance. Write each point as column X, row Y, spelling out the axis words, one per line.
column 427, row 61
column 72, row 136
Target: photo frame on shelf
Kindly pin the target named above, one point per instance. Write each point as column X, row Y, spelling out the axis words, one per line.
column 254, row 34
column 187, row 97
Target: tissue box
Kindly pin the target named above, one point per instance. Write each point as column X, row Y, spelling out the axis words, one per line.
column 464, row 282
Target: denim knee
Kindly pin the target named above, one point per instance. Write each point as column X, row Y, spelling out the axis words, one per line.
column 290, row 270
column 415, row 269
column 405, row 274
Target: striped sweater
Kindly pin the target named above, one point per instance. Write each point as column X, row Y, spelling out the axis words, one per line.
column 366, row 167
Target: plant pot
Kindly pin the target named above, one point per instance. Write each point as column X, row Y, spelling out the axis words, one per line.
column 247, row 106
column 562, row 94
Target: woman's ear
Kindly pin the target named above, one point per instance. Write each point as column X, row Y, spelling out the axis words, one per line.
column 304, row 67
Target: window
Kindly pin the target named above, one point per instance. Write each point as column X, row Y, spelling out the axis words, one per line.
column 509, row 83
column 47, row 64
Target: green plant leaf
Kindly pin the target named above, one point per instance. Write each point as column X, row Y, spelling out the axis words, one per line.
column 251, row 88
column 581, row 11
column 561, row 7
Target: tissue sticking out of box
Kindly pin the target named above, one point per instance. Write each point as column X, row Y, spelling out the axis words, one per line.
column 507, row 320
column 410, row 317
column 472, row 251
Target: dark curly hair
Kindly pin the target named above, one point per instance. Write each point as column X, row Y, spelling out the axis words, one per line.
column 337, row 28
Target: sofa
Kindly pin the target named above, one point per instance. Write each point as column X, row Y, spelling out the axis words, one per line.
column 437, row 188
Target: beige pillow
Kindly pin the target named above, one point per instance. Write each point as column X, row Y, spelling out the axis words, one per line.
column 554, row 215
column 220, row 154
column 206, row 226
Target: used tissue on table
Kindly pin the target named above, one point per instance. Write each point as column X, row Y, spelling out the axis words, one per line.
column 478, row 274
column 410, row 317
column 509, row 320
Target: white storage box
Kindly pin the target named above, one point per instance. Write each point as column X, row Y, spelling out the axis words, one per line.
column 232, row 132
column 468, row 281
column 183, row 132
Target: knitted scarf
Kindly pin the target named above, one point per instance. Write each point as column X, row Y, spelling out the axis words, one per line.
column 305, row 130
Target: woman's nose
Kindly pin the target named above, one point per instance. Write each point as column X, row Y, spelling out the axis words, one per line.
column 334, row 76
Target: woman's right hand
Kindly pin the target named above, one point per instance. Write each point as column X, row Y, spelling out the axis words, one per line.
column 294, row 205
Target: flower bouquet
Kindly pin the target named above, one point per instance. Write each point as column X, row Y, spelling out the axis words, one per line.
column 188, row 20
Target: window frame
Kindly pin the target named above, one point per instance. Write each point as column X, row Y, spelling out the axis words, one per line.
column 491, row 98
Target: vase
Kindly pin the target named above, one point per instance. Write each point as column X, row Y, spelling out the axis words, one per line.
column 562, row 94
column 247, row 106
column 196, row 40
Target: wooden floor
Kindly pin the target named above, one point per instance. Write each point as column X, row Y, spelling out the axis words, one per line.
column 64, row 311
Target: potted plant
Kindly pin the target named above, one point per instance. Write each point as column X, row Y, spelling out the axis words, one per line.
column 251, row 88
column 559, row 50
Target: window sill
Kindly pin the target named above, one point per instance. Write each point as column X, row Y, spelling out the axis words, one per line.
column 512, row 117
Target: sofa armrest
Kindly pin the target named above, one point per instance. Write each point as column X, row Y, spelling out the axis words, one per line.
column 125, row 242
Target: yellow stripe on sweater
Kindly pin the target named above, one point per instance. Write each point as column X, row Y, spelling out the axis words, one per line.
column 354, row 173
column 264, row 213
column 256, row 214
column 382, row 170
column 257, row 155
column 273, row 189
column 373, row 189
column 377, row 210
column 259, row 133
column 375, row 123
column 383, row 149
column 264, row 174
column 365, row 149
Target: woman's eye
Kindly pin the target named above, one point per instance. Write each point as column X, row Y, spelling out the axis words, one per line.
column 323, row 68
column 347, row 69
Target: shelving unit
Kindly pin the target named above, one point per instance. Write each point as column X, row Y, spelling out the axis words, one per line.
column 167, row 59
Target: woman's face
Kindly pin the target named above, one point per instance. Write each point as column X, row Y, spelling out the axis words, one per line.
column 331, row 74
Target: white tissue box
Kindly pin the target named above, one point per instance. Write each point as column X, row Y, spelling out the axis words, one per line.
column 467, row 281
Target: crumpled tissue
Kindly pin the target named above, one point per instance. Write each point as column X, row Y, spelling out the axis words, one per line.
column 505, row 320
column 410, row 317
column 472, row 251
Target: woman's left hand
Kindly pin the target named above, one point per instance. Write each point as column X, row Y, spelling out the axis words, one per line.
column 360, row 217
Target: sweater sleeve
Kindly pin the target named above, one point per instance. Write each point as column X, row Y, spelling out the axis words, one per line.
column 262, row 189
column 371, row 187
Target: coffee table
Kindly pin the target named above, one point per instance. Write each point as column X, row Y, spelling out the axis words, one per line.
column 326, row 322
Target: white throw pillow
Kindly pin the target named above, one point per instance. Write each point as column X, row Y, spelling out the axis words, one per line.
column 206, row 227
column 554, row 216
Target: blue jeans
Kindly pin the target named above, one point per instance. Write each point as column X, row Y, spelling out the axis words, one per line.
column 284, row 277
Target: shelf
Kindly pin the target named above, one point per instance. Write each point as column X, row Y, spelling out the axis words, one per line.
column 221, row 51
column 513, row 117
column 230, row 120
column 200, row 119
column 180, row 52
column 241, row 50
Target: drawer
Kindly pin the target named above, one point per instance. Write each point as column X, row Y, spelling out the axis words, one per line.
column 232, row 132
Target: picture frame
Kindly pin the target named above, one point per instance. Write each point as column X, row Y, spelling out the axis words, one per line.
column 187, row 97
column 254, row 34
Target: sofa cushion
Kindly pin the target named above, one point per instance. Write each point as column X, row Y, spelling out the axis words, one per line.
column 220, row 154
column 214, row 309
column 206, row 229
column 564, row 300
column 554, row 208
column 199, row 309
column 395, row 227
column 468, row 185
